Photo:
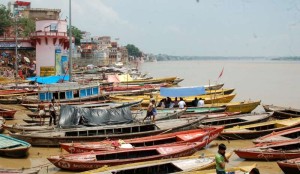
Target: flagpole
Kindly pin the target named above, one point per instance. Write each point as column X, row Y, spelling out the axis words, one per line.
column 70, row 41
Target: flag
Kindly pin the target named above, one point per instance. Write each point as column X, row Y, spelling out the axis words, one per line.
column 221, row 73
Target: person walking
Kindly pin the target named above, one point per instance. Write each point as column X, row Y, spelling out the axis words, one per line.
column 221, row 159
column 52, row 112
column 151, row 111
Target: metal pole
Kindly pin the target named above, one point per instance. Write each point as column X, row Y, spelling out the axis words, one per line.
column 16, row 59
column 70, row 42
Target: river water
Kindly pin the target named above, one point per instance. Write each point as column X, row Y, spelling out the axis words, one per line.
column 272, row 82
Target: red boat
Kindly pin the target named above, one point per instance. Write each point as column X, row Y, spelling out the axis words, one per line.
column 290, row 166
column 93, row 160
column 271, row 151
column 211, row 115
column 8, row 114
column 195, row 135
column 15, row 91
column 284, row 135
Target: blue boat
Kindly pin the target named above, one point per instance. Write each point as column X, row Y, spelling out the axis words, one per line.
column 12, row 147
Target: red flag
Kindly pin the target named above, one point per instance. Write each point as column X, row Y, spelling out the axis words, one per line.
column 221, row 73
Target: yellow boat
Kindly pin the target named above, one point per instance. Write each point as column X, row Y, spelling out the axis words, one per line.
column 190, row 163
column 218, row 98
column 240, row 169
column 243, row 107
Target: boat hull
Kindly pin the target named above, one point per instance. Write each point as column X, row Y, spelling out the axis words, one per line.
column 264, row 155
column 288, row 168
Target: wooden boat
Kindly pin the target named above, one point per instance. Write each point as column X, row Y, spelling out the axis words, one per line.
column 36, row 115
column 19, row 171
column 211, row 115
column 65, row 92
column 169, row 80
column 162, row 114
column 194, row 135
column 243, row 107
column 133, row 87
column 13, row 128
column 214, row 86
column 12, row 147
column 2, row 121
column 208, row 98
column 233, row 170
column 173, row 165
column 284, row 135
column 11, row 96
column 14, row 91
column 287, row 113
column 35, row 105
column 272, row 108
column 290, row 166
column 203, row 110
column 220, row 91
column 235, row 120
column 8, row 114
column 124, row 131
column 92, row 160
column 271, row 151
column 259, row 129
column 36, row 120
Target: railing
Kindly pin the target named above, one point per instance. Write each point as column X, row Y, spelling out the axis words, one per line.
column 49, row 33
column 14, row 38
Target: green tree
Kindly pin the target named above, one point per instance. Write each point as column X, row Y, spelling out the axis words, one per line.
column 77, row 34
column 27, row 25
column 5, row 19
column 133, row 50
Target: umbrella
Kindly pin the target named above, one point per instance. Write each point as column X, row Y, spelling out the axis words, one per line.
column 26, row 59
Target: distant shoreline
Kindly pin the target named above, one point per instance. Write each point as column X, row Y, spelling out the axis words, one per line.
column 187, row 58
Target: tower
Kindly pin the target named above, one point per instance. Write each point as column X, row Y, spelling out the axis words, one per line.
column 51, row 40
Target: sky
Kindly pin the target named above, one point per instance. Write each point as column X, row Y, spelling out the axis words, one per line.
column 268, row 28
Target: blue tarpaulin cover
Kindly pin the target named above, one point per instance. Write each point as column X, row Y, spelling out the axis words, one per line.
column 49, row 79
column 182, row 91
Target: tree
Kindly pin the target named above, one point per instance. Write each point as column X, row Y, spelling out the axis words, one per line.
column 5, row 19
column 77, row 34
column 133, row 50
column 27, row 25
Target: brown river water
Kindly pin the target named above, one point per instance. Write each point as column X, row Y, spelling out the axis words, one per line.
column 273, row 82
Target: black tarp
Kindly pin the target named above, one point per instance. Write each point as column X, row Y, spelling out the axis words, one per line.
column 72, row 116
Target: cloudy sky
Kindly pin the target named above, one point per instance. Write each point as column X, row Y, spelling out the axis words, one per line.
column 188, row 27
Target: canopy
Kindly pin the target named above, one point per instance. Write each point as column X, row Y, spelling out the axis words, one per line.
column 182, row 91
column 49, row 79
column 72, row 116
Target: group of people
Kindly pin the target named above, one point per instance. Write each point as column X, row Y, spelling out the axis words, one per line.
column 168, row 103
column 198, row 103
column 52, row 109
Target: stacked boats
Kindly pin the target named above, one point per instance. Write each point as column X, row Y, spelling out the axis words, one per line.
column 104, row 125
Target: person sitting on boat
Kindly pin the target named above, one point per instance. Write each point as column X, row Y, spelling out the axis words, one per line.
column 52, row 112
column 195, row 102
column 151, row 111
column 42, row 113
column 161, row 103
column 221, row 159
column 200, row 103
column 175, row 105
column 181, row 103
column 168, row 102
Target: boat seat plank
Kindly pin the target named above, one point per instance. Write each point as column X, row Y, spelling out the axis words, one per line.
column 6, row 143
column 187, row 165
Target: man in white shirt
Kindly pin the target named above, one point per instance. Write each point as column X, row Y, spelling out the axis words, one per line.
column 181, row 103
column 200, row 103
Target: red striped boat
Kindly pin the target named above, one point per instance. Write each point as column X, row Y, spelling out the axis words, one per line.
column 156, row 140
column 271, row 151
column 8, row 114
column 290, row 166
column 93, row 160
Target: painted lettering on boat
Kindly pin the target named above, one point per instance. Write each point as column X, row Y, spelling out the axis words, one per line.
column 265, row 155
column 64, row 164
